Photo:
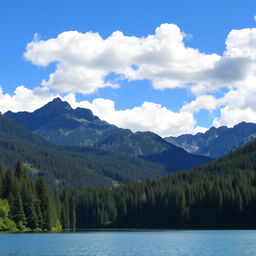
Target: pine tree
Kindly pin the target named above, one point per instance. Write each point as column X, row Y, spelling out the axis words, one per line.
column 19, row 173
column 17, row 212
column 43, row 195
column 65, row 210
column 72, row 213
column 8, row 183
column 29, row 207
column 1, row 182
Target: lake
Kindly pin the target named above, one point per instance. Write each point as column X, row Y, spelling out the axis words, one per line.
column 132, row 243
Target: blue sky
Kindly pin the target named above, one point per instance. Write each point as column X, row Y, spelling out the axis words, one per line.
column 142, row 101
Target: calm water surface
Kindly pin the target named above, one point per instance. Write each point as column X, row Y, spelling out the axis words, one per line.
column 143, row 243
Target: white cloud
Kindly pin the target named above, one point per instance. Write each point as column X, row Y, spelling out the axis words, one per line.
column 207, row 102
column 147, row 117
column 232, row 116
column 24, row 99
column 238, row 104
column 84, row 61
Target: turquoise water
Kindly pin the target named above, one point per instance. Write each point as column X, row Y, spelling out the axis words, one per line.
column 148, row 243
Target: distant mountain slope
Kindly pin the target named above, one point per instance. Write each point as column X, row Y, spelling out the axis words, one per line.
column 178, row 159
column 153, row 148
column 70, row 166
column 216, row 142
column 139, row 143
column 59, row 123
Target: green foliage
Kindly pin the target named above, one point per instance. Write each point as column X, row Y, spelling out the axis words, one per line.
column 57, row 227
column 6, row 224
column 26, row 204
column 4, row 208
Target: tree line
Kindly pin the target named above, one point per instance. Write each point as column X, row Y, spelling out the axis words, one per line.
column 184, row 200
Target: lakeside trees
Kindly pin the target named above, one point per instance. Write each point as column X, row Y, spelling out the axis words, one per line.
column 221, row 194
column 184, row 200
column 26, row 204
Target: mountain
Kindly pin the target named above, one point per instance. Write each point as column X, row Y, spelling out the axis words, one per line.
column 59, row 123
column 216, row 142
column 67, row 165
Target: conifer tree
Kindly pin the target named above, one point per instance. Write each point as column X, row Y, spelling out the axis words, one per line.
column 8, row 183
column 29, row 207
column 17, row 212
column 43, row 195
column 72, row 213
column 19, row 173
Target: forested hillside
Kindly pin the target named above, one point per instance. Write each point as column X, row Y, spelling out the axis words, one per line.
column 221, row 194
column 70, row 166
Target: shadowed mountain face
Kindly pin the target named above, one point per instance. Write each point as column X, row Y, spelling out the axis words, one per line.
column 216, row 142
column 178, row 159
column 59, row 123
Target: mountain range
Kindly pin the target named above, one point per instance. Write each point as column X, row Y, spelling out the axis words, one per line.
column 111, row 153
column 60, row 124
column 216, row 142
column 73, row 147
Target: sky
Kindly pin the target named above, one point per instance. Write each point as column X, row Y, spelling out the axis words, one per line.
column 170, row 67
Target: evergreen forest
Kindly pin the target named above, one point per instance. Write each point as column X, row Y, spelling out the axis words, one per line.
column 220, row 194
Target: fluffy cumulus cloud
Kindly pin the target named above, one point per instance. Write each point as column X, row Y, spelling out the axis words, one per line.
column 239, row 104
column 85, row 60
column 24, row 99
column 207, row 102
column 147, row 117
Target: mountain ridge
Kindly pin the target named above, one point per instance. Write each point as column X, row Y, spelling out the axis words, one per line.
column 216, row 142
column 58, row 122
